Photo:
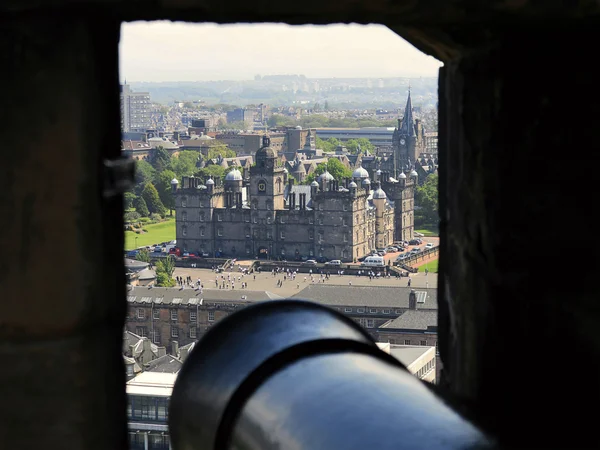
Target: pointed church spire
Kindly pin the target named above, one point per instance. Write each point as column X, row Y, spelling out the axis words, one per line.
column 408, row 125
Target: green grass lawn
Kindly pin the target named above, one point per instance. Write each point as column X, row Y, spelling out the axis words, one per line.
column 157, row 233
column 429, row 231
column 431, row 265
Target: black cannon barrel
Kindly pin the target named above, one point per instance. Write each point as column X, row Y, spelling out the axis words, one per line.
column 295, row 375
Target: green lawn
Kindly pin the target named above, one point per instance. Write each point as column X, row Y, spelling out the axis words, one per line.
column 157, row 233
column 432, row 266
column 429, row 231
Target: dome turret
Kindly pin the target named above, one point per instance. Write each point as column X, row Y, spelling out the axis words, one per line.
column 360, row 172
column 234, row 175
column 352, row 185
column 325, row 176
column 379, row 194
column 314, row 184
column 210, row 181
column 401, row 176
column 413, row 173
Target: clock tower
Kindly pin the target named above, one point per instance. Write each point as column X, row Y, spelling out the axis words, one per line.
column 267, row 182
column 404, row 140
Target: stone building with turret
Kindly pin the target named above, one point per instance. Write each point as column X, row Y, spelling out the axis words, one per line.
column 261, row 212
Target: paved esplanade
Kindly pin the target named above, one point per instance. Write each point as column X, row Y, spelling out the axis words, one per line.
column 265, row 281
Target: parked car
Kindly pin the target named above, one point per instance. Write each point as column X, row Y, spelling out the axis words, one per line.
column 415, row 250
column 402, row 257
column 310, row 262
column 429, row 245
column 380, row 251
column 334, row 262
column 373, row 261
column 132, row 253
column 391, row 249
column 413, row 242
column 321, row 259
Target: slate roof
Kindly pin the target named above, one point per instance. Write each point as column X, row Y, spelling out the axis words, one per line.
column 130, row 339
column 297, row 189
column 146, row 274
column 414, row 320
column 135, row 265
column 189, row 296
column 369, row 296
column 164, row 364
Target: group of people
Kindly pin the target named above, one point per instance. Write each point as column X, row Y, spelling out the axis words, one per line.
column 225, row 283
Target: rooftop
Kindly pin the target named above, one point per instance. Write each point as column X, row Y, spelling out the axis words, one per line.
column 408, row 354
column 374, row 296
column 152, row 384
column 190, row 296
column 414, row 320
column 164, row 364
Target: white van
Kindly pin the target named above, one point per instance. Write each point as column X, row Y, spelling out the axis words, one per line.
column 373, row 261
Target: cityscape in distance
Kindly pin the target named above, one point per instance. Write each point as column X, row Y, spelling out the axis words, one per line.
column 280, row 186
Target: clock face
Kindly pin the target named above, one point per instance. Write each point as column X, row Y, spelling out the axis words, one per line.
column 402, row 141
column 262, row 187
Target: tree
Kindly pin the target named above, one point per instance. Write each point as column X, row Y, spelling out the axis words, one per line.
column 143, row 255
column 163, row 280
column 365, row 145
column 427, row 199
column 164, row 272
column 144, row 173
column 128, row 199
column 330, row 144
column 279, row 120
column 160, row 158
column 150, row 195
column 220, row 150
column 189, row 105
column 334, row 167
column 215, row 171
column 163, row 186
column 337, row 169
column 140, row 207
column 184, row 164
column 326, row 107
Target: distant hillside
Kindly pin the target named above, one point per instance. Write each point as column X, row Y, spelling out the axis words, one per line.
column 289, row 90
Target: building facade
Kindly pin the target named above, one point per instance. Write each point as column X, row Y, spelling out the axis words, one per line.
column 148, row 396
column 166, row 316
column 265, row 215
column 135, row 110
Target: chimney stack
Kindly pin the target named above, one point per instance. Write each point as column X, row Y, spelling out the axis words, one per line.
column 175, row 348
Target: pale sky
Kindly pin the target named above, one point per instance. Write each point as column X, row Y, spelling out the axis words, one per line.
column 176, row 51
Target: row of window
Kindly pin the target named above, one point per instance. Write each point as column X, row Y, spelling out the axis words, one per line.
column 148, row 441
column 409, row 342
column 371, row 310
column 141, row 314
column 147, row 408
column 156, row 337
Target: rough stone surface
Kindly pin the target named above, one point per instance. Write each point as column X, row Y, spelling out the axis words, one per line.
column 512, row 122
column 63, row 303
